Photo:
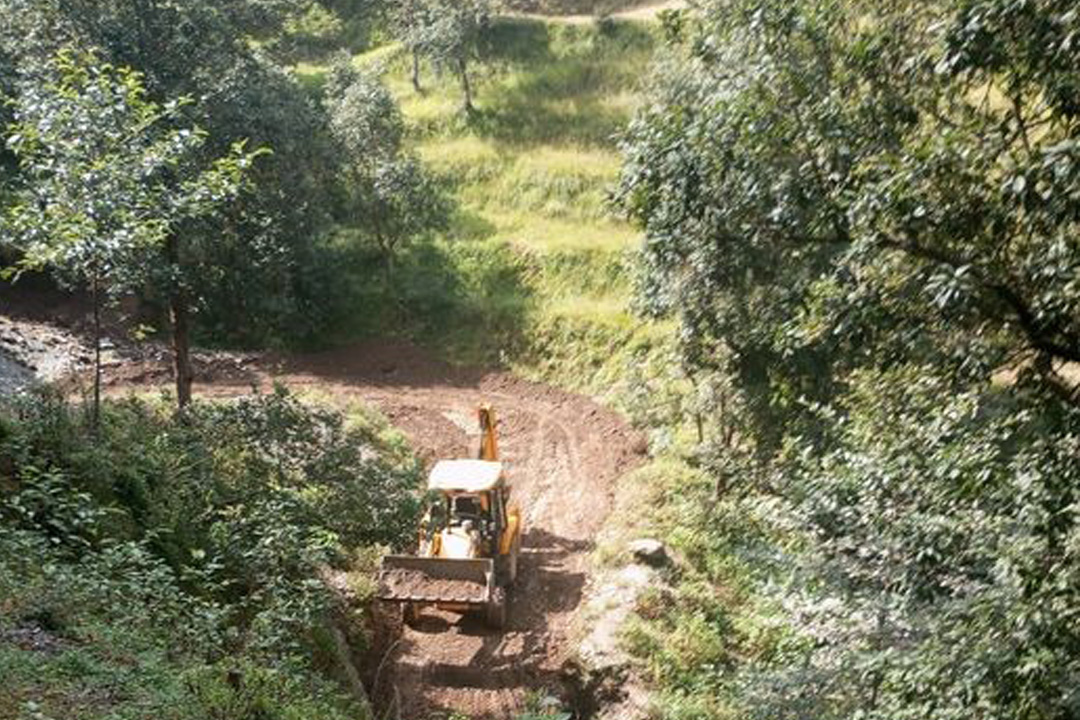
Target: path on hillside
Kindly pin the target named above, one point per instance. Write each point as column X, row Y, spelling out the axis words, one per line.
column 564, row 454
column 641, row 12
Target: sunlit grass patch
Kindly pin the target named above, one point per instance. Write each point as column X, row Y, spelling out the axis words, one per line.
column 464, row 159
column 382, row 56
column 559, row 182
column 590, row 163
column 611, row 311
column 428, row 111
column 531, row 170
column 544, row 234
column 624, row 102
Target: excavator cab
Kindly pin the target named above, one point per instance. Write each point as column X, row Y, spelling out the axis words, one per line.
column 469, row 539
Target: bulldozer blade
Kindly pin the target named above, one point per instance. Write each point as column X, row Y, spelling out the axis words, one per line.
column 406, row 578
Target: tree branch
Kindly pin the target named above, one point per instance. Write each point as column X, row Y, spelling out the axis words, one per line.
column 1037, row 333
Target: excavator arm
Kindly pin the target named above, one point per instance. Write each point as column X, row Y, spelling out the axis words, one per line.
column 489, row 443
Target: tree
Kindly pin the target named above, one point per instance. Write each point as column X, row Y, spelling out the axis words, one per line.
column 259, row 270
column 410, row 21
column 847, row 149
column 447, row 32
column 390, row 196
column 107, row 179
column 862, row 212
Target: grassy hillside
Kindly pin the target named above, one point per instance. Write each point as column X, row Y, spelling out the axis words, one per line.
column 572, row 7
column 535, row 270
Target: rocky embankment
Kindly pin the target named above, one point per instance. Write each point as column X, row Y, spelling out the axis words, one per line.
column 31, row 352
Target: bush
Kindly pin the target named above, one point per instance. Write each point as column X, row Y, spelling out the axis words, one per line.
column 312, row 31
column 196, row 541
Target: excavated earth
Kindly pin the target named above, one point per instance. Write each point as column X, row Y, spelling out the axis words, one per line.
column 413, row 584
column 563, row 451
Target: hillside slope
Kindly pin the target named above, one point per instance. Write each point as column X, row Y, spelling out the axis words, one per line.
column 535, row 270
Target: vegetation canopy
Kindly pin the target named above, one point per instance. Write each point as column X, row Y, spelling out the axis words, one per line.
column 864, row 213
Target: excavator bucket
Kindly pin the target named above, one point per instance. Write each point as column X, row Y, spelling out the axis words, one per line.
column 439, row 581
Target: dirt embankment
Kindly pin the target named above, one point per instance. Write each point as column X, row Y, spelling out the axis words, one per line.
column 564, row 454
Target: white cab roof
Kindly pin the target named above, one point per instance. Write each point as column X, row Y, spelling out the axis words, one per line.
column 465, row 475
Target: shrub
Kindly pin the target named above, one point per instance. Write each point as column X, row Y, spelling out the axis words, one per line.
column 196, row 542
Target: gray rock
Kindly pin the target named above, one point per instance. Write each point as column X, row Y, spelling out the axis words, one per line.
column 14, row 376
column 649, row 551
column 610, row 603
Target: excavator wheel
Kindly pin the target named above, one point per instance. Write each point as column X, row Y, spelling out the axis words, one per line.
column 495, row 610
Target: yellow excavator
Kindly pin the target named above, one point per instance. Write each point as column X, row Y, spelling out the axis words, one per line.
column 469, row 540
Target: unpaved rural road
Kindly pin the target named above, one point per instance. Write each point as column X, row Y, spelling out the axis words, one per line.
column 564, row 455
column 564, row 452
column 646, row 11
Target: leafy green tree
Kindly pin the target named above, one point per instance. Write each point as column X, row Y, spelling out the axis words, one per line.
column 260, row 272
column 107, row 179
column 364, row 117
column 869, row 179
column 447, row 32
column 862, row 213
column 410, row 20
column 389, row 196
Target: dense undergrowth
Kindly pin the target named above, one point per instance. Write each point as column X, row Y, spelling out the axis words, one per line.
column 174, row 566
column 568, row 7
column 883, row 520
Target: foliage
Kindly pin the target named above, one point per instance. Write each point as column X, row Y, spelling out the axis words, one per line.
column 389, row 195
column 446, row 32
column 869, row 189
column 263, row 250
column 312, row 30
column 196, row 545
column 860, row 213
column 106, row 183
column 945, row 530
column 364, row 116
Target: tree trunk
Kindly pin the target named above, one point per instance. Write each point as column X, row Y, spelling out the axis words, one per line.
column 181, row 347
column 95, row 410
column 416, row 71
column 180, row 317
column 388, row 269
column 463, row 73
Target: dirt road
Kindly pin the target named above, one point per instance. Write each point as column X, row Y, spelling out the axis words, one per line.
column 646, row 11
column 564, row 454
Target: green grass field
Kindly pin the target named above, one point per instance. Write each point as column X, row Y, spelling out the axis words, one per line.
column 537, row 160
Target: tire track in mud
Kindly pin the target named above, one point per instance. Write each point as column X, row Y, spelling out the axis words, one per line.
column 564, row 454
